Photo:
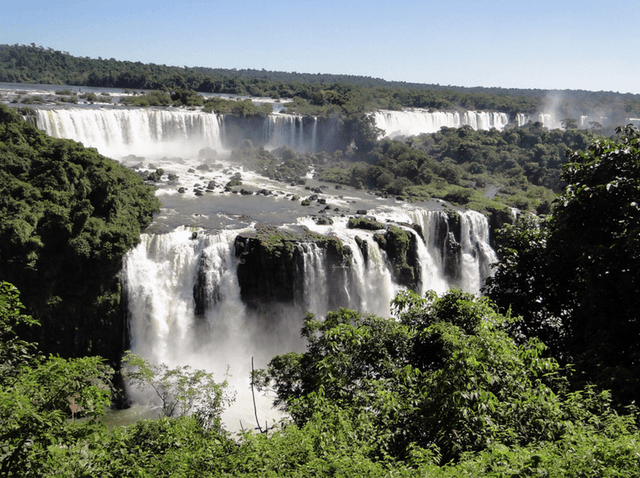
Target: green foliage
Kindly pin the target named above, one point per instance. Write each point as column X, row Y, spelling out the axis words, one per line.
column 440, row 380
column 575, row 275
column 522, row 166
column 442, row 372
column 13, row 350
column 38, row 394
column 400, row 246
column 93, row 98
column 363, row 223
column 156, row 175
column 182, row 391
column 152, row 98
column 243, row 108
column 282, row 164
column 64, row 207
column 185, row 97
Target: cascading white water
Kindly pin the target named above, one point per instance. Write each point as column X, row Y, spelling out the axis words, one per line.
column 431, row 260
column 548, row 120
column 483, row 120
column 368, row 285
column 290, row 130
column 522, row 119
column 477, row 254
column 372, row 277
column 143, row 132
column 159, row 277
column 446, row 260
column 412, row 122
column 315, row 287
column 154, row 133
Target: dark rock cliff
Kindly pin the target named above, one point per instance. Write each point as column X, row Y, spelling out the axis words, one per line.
column 271, row 264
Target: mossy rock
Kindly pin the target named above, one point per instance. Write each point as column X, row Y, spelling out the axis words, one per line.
column 364, row 223
column 401, row 248
column 272, row 261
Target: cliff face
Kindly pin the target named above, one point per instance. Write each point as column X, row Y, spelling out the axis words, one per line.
column 271, row 264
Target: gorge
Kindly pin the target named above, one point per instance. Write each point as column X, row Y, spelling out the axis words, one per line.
column 223, row 277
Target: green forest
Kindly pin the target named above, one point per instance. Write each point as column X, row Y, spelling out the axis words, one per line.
column 312, row 94
column 539, row 377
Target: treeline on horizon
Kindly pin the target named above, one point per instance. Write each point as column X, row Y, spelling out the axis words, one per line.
column 347, row 94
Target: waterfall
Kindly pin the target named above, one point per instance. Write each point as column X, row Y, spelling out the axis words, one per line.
column 184, row 299
column 483, row 120
column 314, row 135
column 456, row 251
column 144, row 132
column 432, row 257
column 161, row 277
column 411, row 122
column 315, row 285
column 477, row 254
column 367, row 284
column 522, row 119
column 182, row 288
column 290, row 130
column 155, row 133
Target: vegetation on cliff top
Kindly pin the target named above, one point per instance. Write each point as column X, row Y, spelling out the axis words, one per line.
column 67, row 216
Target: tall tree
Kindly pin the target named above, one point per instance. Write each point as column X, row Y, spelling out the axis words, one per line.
column 579, row 271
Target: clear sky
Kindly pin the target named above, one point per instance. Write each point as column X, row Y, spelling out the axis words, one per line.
column 547, row 44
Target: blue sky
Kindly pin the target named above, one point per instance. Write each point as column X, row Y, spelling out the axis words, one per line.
column 591, row 45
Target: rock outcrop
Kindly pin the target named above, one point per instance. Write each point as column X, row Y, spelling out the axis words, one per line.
column 271, row 263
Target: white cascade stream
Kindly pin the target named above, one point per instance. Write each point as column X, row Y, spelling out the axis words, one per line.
column 412, row 122
column 145, row 132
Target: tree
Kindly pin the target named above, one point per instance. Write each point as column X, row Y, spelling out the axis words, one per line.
column 569, row 123
column 181, row 390
column 580, row 268
column 524, row 283
column 38, row 394
column 14, row 351
column 442, row 372
column 65, row 208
